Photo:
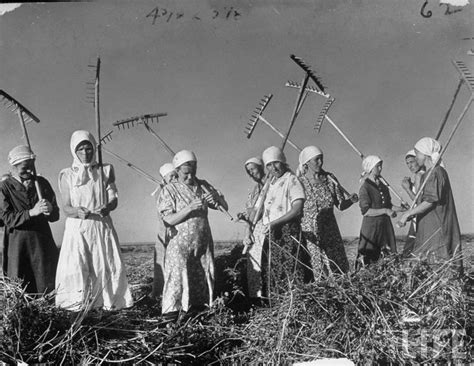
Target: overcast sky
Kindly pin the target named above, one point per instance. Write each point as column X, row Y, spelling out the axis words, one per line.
column 207, row 64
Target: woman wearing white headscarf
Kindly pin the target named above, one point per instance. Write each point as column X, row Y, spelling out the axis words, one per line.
column 254, row 235
column 438, row 235
column 283, row 210
column 319, row 224
column 189, row 261
column 376, row 234
column 90, row 269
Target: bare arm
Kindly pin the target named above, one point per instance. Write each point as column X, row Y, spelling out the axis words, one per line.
column 295, row 212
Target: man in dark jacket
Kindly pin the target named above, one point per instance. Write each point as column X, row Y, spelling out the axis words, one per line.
column 31, row 253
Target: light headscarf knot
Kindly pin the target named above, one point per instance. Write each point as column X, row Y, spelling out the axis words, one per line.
column 83, row 171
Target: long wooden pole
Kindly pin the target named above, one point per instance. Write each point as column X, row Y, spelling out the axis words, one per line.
column 296, row 109
column 132, row 166
column 25, row 133
column 443, row 122
column 103, row 194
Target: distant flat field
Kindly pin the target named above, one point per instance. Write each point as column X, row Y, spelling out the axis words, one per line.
column 141, row 253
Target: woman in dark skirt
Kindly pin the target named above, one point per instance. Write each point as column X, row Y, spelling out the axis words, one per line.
column 376, row 234
column 283, row 208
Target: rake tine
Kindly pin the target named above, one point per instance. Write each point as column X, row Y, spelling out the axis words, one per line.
column 323, row 113
column 465, row 74
column 254, row 118
column 309, row 71
column 309, row 88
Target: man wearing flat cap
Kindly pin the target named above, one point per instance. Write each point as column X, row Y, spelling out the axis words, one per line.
column 32, row 255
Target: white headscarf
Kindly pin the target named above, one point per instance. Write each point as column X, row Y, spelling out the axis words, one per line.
column 83, row 172
column 254, row 160
column 308, row 153
column 369, row 163
column 272, row 154
column 183, row 156
column 410, row 153
column 430, row 147
column 165, row 169
column 20, row 153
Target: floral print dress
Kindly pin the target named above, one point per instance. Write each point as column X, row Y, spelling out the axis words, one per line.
column 320, row 228
column 255, row 270
column 189, row 261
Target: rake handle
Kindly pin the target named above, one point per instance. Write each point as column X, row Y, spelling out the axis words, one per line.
column 132, row 166
column 296, row 109
column 25, row 133
column 395, row 193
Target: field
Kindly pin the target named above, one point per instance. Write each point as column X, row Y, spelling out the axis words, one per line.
column 357, row 317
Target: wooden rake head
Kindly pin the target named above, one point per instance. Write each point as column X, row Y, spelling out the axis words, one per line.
column 323, row 114
column 299, row 61
column 106, row 138
column 256, row 115
column 466, row 74
column 13, row 105
column 143, row 119
column 91, row 86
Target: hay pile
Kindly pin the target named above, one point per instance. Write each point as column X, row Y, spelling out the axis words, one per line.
column 388, row 312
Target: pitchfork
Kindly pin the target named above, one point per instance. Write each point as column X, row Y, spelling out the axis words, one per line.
column 25, row 116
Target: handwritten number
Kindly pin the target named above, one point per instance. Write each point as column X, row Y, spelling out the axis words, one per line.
column 216, row 14
column 229, row 12
column 169, row 17
column 236, row 14
column 154, row 13
column 428, row 14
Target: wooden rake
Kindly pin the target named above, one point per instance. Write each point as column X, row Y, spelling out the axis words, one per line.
column 93, row 96
column 258, row 117
column 145, row 119
column 324, row 115
column 24, row 116
column 302, row 95
column 468, row 79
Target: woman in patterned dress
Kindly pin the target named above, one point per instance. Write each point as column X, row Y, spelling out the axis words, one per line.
column 319, row 225
column 189, row 261
column 254, row 235
column 288, row 256
column 90, row 268
column 376, row 234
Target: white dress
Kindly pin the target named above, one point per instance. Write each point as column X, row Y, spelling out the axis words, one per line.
column 90, row 268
